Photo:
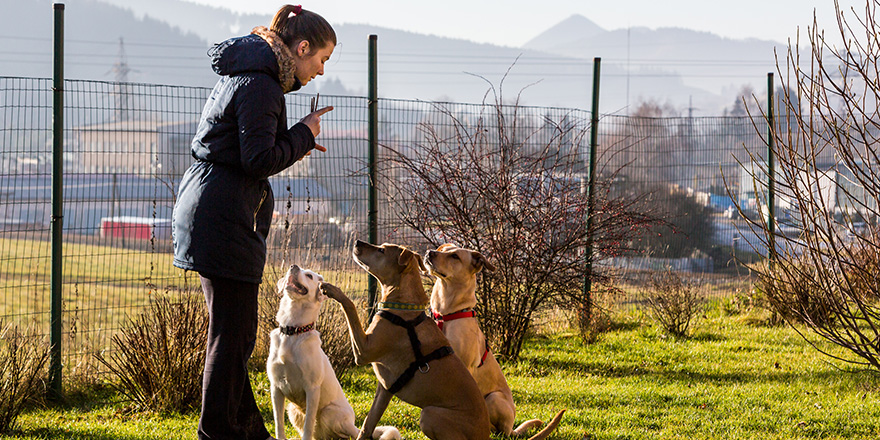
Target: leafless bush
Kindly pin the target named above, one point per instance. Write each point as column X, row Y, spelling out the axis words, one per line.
column 513, row 186
column 795, row 292
column 159, row 355
column 825, row 141
column 674, row 302
column 23, row 357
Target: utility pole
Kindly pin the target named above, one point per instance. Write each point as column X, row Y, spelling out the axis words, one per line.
column 121, row 92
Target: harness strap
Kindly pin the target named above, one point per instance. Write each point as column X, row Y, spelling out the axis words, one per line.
column 421, row 362
column 410, row 327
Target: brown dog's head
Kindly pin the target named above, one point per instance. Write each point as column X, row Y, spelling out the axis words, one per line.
column 300, row 284
column 387, row 262
column 451, row 261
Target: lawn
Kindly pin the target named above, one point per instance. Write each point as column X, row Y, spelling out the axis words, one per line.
column 732, row 380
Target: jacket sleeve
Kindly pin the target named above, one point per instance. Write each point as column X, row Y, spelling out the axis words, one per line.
column 267, row 146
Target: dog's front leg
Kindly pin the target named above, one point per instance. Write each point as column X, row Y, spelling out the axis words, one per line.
column 377, row 409
column 364, row 351
column 313, row 399
column 278, row 412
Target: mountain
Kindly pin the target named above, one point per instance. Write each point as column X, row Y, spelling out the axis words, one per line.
column 165, row 42
column 572, row 28
column 703, row 60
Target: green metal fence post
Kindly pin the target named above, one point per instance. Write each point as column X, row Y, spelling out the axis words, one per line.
column 57, row 200
column 771, row 169
column 373, row 135
column 591, row 188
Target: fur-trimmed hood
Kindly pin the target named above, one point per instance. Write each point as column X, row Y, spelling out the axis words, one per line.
column 262, row 51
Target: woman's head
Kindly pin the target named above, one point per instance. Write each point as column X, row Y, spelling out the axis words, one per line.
column 309, row 37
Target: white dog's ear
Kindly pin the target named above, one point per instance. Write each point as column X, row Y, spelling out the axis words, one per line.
column 480, row 262
column 282, row 283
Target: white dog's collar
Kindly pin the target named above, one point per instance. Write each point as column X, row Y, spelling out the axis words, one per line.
column 290, row 331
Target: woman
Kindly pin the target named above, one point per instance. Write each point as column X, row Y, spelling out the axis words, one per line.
column 225, row 204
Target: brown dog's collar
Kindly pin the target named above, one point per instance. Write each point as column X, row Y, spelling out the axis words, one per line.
column 383, row 305
column 291, row 331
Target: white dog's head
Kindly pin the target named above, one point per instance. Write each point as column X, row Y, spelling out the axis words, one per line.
column 301, row 285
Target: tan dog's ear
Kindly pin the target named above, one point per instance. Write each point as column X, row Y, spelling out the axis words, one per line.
column 480, row 262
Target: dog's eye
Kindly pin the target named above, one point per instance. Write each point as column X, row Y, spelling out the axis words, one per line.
column 309, row 276
column 456, row 257
column 381, row 250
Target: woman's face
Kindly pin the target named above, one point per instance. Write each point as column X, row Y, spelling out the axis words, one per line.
column 310, row 61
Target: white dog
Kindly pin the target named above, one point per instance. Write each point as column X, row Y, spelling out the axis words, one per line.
column 300, row 371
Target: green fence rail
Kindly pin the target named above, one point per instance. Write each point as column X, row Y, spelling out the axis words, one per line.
column 126, row 146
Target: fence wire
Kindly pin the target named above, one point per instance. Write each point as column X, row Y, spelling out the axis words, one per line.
column 126, row 147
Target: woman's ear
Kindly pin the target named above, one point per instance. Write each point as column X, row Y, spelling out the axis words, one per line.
column 302, row 48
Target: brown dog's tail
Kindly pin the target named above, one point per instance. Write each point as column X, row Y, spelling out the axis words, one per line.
column 549, row 428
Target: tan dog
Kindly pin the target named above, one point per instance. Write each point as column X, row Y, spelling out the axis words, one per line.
column 452, row 302
column 299, row 370
column 452, row 406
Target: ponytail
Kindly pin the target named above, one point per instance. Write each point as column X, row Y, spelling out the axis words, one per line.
column 293, row 24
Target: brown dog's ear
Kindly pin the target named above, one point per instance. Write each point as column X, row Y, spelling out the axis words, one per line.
column 480, row 262
column 406, row 256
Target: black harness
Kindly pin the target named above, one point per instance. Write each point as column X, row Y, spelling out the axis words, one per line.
column 421, row 362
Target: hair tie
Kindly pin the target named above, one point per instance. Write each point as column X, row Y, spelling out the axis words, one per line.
column 297, row 9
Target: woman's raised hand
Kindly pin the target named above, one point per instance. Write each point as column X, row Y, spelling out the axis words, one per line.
column 313, row 121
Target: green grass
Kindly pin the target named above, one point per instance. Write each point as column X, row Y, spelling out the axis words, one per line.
column 731, row 380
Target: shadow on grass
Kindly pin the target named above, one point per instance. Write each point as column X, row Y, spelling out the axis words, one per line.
column 541, row 366
column 70, row 433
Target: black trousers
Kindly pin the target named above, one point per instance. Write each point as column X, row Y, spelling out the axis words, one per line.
column 229, row 410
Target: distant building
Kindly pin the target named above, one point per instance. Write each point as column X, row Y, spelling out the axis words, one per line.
column 133, row 147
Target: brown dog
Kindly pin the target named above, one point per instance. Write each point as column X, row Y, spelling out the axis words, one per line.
column 452, row 302
column 402, row 343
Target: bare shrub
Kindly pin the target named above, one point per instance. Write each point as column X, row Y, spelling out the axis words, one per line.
column 824, row 141
column 795, row 292
column 674, row 302
column 23, row 357
column 514, row 186
column 159, row 355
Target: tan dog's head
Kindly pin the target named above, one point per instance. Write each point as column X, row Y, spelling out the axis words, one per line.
column 387, row 262
column 452, row 262
column 301, row 285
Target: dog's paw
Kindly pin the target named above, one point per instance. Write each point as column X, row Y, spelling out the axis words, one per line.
column 332, row 291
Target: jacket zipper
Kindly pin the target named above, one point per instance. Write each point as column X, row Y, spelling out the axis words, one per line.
column 257, row 211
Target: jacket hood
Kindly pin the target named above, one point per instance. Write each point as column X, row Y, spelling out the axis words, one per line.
column 262, row 51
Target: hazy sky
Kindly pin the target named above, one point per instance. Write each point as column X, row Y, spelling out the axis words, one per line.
column 514, row 22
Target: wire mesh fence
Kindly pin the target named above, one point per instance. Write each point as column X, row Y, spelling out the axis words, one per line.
column 126, row 147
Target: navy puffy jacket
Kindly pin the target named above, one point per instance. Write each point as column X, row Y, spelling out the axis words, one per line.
column 224, row 207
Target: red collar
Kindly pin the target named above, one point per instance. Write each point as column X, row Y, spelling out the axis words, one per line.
column 440, row 319
column 466, row 313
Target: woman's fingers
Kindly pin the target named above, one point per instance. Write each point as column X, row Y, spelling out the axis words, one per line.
column 320, row 112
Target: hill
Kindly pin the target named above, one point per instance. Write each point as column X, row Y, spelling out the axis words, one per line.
column 165, row 42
